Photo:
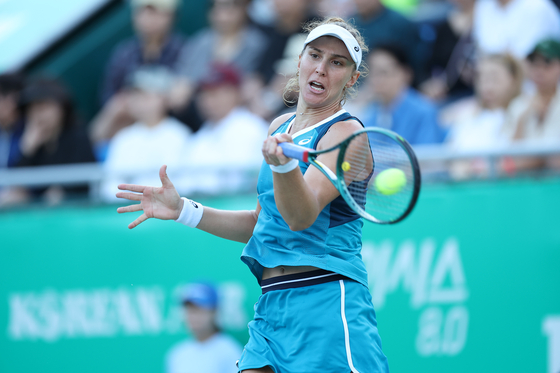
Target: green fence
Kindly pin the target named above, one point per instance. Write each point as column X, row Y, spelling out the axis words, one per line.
column 469, row 283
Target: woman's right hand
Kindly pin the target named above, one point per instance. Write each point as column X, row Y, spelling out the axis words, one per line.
column 161, row 203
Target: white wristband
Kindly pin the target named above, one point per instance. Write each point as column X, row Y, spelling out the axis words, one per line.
column 285, row 167
column 191, row 214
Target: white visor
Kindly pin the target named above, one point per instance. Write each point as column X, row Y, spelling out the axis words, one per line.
column 339, row 33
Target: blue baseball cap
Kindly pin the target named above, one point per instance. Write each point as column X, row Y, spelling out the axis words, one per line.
column 202, row 295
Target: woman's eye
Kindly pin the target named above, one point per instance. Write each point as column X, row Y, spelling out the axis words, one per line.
column 313, row 55
column 338, row 63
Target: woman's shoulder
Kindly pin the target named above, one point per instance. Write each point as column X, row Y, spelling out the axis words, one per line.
column 338, row 132
column 276, row 123
column 520, row 103
column 200, row 38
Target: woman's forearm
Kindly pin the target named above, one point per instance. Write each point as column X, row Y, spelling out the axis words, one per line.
column 296, row 202
column 232, row 225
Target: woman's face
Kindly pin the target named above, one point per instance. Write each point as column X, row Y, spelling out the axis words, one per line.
column 290, row 8
column 146, row 106
column 387, row 77
column 494, row 84
column 326, row 68
column 48, row 114
column 228, row 16
column 8, row 110
column 544, row 73
column 216, row 103
column 151, row 22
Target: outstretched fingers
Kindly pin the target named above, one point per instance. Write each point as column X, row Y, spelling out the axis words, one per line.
column 131, row 208
column 132, row 187
column 130, row 196
column 142, row 218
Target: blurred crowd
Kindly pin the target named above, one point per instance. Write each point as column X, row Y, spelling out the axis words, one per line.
column 482, row 75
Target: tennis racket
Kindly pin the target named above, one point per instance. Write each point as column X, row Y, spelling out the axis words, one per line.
column 377, row 173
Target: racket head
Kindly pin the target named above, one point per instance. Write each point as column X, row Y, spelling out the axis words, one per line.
column 361, row 160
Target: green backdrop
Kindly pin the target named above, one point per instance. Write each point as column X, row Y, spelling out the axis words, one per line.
column 468, row 283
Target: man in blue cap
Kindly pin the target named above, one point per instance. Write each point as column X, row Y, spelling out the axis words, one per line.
column 210, row 350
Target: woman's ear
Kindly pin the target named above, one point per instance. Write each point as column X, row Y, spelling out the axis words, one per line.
column 353, row 79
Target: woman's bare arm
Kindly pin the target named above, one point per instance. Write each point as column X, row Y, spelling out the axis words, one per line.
column 300, row 198
column 164, row 203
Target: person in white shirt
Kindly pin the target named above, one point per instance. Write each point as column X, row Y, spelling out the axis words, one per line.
column 514, row 26
column 210, row 350
column 225, row 153
column 476, row 123
column 154, row 139
column 535, row 119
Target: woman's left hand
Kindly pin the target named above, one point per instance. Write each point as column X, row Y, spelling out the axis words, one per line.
column 272, row 153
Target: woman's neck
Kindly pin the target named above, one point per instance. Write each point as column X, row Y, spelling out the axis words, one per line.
column 227, row 46
column 461, row 21
column 306, row 116
column 548, row 92
column 152, row 47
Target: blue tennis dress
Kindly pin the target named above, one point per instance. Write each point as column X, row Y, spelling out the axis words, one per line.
column 319, row 321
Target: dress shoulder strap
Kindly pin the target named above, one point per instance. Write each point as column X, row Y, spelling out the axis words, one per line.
column 324, row 128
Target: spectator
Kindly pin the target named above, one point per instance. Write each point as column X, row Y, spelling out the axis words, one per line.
column 333, row 8
column 514, row 26
column 51, row 137
column 153, row 45
column 154, row 139
column 230, row 39
column 263, row 91
column 229, row 139
column 393, row 104
column 477, row 123
column 536, row 118
column 11, row 125
column 383, row 26
column 450, row 67
column 209, row 350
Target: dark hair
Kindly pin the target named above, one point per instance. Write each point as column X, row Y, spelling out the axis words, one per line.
column 10, row 83
column 48, row 89
column 396, row 52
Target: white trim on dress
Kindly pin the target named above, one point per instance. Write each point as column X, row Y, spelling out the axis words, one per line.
column 305, row 130
column 346, row 334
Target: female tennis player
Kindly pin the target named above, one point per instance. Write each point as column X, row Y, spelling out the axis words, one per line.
column 315, row 313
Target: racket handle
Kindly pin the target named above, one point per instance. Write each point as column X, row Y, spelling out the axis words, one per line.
column 295, row 151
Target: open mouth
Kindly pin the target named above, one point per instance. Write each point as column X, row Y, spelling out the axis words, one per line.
column 317, row 87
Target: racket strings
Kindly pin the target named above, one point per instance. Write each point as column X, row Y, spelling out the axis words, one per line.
column 358, row 167
column 387, row 154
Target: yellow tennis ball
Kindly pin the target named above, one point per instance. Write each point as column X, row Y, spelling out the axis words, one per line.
column 390, row 181
column 345, row 166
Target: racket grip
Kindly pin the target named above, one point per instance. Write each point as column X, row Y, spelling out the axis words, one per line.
column 295, row 151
